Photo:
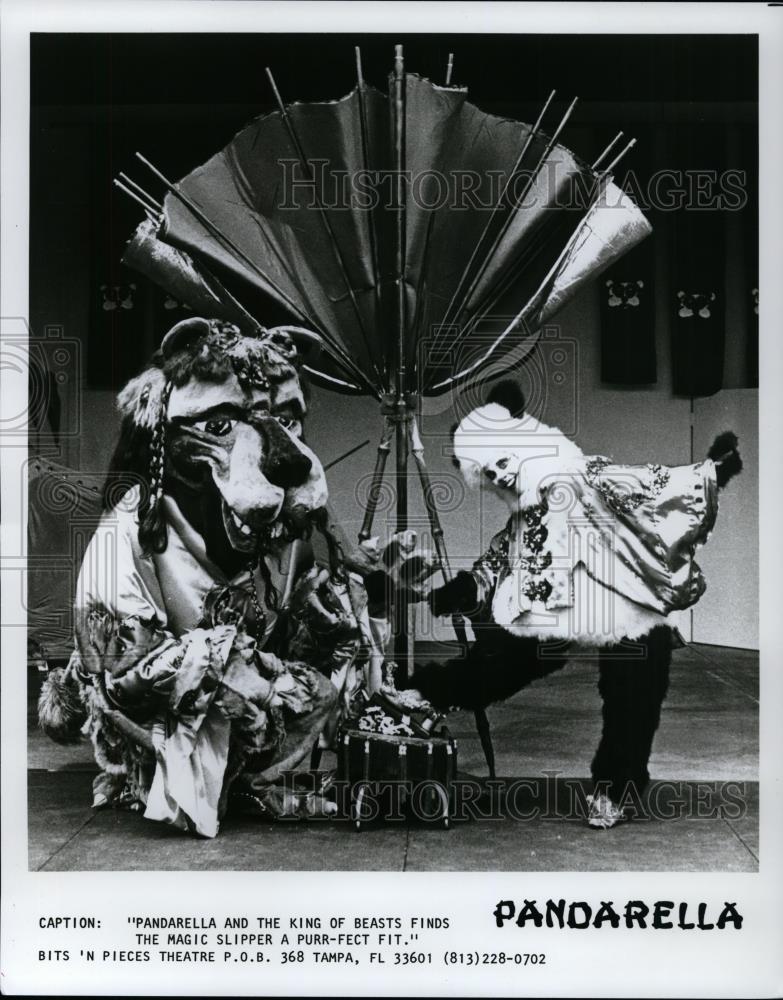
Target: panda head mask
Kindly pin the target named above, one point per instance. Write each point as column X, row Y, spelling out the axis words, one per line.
column 500, row 447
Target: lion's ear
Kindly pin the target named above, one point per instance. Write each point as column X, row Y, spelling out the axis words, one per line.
column 307, row 342
column 509, row 395
column 184, row 333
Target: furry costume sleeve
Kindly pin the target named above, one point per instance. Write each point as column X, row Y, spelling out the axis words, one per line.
column 470, row 592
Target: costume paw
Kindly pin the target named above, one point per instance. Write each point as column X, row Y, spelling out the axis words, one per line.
column 316, row 603
column 307, row 804
column 401, row 565
column 409, row 565
column 726, row 457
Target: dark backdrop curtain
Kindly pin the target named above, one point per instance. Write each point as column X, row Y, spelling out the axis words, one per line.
column 697, row 263
column 627, row 291
column 128, row 314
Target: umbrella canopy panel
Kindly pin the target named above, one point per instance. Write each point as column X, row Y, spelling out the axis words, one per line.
column 502, row 225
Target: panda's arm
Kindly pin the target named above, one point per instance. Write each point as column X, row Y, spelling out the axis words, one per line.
column 459, row 595
column 469, row 593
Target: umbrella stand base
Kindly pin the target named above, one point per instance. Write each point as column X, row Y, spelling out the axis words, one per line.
column 413, row 443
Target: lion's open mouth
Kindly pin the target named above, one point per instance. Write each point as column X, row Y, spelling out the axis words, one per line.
column 244, row 537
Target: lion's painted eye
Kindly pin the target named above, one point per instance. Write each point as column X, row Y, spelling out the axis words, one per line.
column 217, row 427
column 291, row 424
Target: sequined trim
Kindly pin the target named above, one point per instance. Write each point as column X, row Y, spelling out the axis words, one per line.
column 616, row 496
column 537, row 590
column 538, row 560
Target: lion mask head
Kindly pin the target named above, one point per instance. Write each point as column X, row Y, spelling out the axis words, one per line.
column 215, row 422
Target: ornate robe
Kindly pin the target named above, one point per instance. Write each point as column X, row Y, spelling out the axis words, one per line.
column 178, row 667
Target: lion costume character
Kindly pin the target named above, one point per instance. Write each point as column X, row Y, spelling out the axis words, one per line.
column 595, row 554
column 212, row 650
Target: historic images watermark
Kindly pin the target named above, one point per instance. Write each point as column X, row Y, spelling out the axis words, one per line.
column 316, row 184
column 549, row 796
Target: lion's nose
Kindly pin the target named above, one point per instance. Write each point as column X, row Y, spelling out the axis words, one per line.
column 285, row 465
column 290, row 471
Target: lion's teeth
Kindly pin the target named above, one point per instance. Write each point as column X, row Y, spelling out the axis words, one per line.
column 245, row 529
column 277, row 529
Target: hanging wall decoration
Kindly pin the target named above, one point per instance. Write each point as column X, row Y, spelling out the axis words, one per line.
column 627, row 299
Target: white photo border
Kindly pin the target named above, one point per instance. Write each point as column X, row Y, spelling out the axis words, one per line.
column 746, row 963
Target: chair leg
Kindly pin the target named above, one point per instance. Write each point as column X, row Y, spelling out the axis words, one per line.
column 485, row 735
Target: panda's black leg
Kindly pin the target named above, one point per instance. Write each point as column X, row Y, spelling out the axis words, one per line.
column 496, row 666
column 633, row 689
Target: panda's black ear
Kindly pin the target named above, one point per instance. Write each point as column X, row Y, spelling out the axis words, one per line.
column 452, row 431
column 508, row 394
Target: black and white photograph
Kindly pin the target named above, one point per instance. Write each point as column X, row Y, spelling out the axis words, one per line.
column 381, row 485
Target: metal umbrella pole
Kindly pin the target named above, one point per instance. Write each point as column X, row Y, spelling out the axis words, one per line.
column 402, row 643
column 401, row 403
column 457, row 621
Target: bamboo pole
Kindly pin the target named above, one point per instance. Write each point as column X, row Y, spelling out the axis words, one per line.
column 436, row 529
column 132, row 194
column 365, row 134
column 449, row 69
column 606, row 152
column 346, row 454
column 401, row 417
column 607, row 170
column 373, row 495
column 137, row 187
column 418, row 313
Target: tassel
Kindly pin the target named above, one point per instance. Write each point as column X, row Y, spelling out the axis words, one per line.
column 152, row 524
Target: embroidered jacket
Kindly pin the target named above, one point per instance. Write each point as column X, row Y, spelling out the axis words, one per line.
column 606, row 553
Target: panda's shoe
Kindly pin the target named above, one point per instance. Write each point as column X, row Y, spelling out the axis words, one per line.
column 603, row 814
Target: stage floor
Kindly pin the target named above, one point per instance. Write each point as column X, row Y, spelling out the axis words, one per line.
column 544, row 739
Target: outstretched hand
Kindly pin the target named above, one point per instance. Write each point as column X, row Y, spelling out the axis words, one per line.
column 402, row 565
column 315, row 603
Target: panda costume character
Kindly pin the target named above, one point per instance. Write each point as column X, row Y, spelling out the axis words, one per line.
column 594, row 555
